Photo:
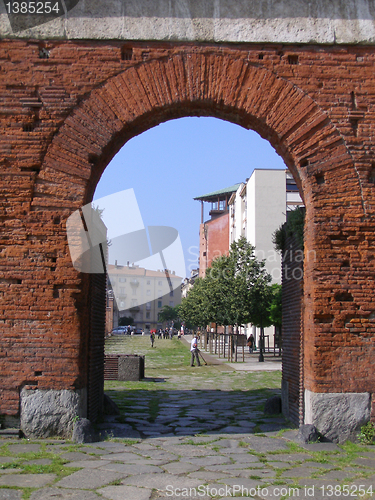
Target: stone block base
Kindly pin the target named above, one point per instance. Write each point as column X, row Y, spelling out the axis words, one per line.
column 51, row 413
column 338, row 416
column 131, row 367
column 124, row 367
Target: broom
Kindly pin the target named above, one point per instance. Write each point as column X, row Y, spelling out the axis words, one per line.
column 200, row 354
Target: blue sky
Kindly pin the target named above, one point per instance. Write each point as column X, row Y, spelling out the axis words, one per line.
column 169, row 165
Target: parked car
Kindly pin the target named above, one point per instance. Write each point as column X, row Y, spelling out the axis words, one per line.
column 118, row 331
column 138, row 331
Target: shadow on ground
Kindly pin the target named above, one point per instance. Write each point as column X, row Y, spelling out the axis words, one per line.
column 151, row 413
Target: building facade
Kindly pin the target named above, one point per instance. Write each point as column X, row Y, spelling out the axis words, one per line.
column 188, row 283
column 142, row 293
column 214, row 232
column 256, row 210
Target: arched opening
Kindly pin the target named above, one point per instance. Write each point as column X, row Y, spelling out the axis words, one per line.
column 168, row 166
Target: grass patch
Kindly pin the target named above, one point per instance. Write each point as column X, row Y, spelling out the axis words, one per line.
column 295, row 448
column 26, row 492
column 168, row 367
column 57, row 465
column 116, row 482
column 153, row 409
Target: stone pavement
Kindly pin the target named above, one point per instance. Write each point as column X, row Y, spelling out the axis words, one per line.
column 204, row 466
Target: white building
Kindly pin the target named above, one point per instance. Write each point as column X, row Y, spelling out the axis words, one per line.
column 188, row 283
column 257, row 209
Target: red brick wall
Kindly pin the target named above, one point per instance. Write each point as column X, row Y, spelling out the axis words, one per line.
column 62, row 119
column 213, row 241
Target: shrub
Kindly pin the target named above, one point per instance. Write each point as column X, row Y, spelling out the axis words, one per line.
column 367, row 434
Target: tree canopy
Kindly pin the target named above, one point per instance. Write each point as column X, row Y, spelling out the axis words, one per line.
column 235, row 291
column 276, row 305
column 125, row 321
column 168, row 313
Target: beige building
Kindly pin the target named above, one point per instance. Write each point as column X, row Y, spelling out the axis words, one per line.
column 141, row 294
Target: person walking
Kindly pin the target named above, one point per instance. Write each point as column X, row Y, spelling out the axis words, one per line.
column 250, row 343
column 152, row 338
column 194, row 351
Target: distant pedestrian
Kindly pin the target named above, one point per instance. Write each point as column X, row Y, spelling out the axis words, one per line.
column 250, row 343
column 194, row 351
column 152, row 338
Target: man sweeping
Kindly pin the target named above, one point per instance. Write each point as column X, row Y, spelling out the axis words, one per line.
column 194, row 351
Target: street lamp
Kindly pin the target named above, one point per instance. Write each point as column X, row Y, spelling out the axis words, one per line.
column 261, row 343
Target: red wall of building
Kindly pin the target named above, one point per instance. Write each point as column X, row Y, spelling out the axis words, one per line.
column 213, row 241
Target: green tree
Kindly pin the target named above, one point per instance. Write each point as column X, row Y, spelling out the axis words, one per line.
column 252, row 291
column 234, row 292
column 276, row 306
column 194, row 309
column 125, row 321
column 219, row 290
column 169, row 313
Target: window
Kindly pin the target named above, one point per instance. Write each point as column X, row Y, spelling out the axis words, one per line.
column 122, row 280
column 160, row 283
column 171, row 293
column 171, row 303
column 160, row 304
column 148, row 282
column 148, row 306
column 134, row 291
column 148, row 315
column 122, row 290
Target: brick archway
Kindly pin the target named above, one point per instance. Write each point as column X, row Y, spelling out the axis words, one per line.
column 210, row 81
